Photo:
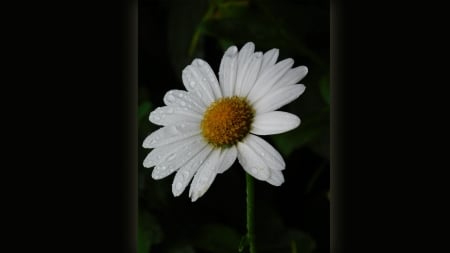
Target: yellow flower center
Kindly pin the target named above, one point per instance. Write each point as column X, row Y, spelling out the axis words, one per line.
column 227, row 121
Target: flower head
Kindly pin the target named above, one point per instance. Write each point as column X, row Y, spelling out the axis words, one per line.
column 214, row 122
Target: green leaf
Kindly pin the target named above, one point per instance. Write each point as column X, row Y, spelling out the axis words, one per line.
column 229, row 9
column 244, row 243
column 185, row 21
column 218, row 238
column 302, row 242
column 144, row 109
column 149, row 232
column 324, row 85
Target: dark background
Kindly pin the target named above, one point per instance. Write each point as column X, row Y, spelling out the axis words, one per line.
column 294, row 217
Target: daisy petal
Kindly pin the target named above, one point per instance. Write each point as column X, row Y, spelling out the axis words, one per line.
column 293, row 76
column 170, row 115
column 228, row 71
column 276, row 178
column 274, row 123
column 269, row 154
column 205, row 175
column 251, row 74
column 171, row 134
column 269, row 59
column 197, row 83
column 244, row 60
column 252, row 162
column 177, row 158
column 181, row 98
column 228, row 157
column 208, row 74
column 278, row 98
column 268, row 78
column 158, row 154
column 187, row 171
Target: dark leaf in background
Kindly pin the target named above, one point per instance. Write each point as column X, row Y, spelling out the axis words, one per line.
column 185, row 18
column 144, row 110
column 149, row 232
column 218, row 238
column 325, row 89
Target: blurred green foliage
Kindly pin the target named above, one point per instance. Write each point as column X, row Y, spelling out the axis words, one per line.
column 291, row 218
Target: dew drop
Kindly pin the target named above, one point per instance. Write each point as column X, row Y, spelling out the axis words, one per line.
column 170, row 98
column 171, row 157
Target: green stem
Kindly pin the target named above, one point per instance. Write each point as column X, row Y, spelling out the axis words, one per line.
column 250, row 213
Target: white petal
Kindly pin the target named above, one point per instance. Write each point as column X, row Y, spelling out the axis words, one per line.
column 270, row 155
column 268, row 78
column 205, row 175
column 293, row 76
column 276, row 178
column 252, row 162
column 187, row 171
column 210, row 77
column 177, row 158
column 158, row 154
column 278, row 98
column 181, row 98
column 228, row 71
column 274, row 123
column 244, row 60
column 170, row 115
column 249, row 79
column 269, row 59
column 171, row 134
column 228, row 157
column 196, row 82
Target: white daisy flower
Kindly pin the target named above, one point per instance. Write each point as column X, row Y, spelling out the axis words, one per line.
column 214, row 122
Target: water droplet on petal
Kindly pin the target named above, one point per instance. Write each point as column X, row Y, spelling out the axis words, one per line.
column 170, row 98
column 171, row 157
